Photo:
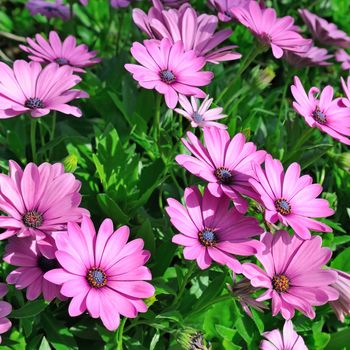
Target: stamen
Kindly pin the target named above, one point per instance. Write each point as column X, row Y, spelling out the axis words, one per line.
column 34, row 103
column 32, row 219
column 96, row 278
column 224, row 175
column 283, row 207
column 197, row 117
column 319, row 116
column 61, row 61
column 207, row 237
column 167, row 76
column 280, row 283
column 265, row 38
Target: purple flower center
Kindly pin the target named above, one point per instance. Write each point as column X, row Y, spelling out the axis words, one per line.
column 319, row 116
column 197, row 117
column 61, row 61
column 265, row 39
column 96, row 278
column 207, row 237
column 224, row 175
column 47, row 264
column 280, row 283
column 34, row 103
column 283, row 207
column 167, row 76
column 32, row 219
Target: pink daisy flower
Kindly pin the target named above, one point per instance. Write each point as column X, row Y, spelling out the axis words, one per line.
column 211, row 231
column 120, row 3
column 324, row 113
column 293, row 274
column 63, row 53
column 29, row 88
column 287, row 340
column 343, row 57
column 226, row 164
column 224, row 7
column 198, row 33
column 5, row 310
column 102, row 273
column 346, row 89
column 38, row 200
column 324, row 32
column 49, row 9
column 341, row 306
column 271, row 31
column 169, row 69
column 32, row 264
column 314, row 56
column 290, row 198
column 199, row 114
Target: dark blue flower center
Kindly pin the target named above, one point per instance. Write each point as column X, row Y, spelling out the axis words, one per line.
column 207, row 237
column 61, row 61
column 47, row 264
column 32, row 219
column 167, row 76
column 34, row 103
column 319, row 116
column 224, row 175
column 283, row 207
column 197, row 117
column 96, row 278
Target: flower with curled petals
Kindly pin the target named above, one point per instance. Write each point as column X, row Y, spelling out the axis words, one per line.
column 103, row 274
column 211, row 231
column 292, row 274
column 314, row 56
column 224, row 7
column 341, row 306
column 5, row 310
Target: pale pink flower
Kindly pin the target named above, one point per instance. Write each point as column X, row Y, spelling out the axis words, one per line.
column 346, row 88
column 341, row 306
column 343, row 57
column 33, row 262
column 29, row 88
column 169, row 69
column 224, row 7
column 287, row 340
column 5, row 310
column 211, row 231
column 199, row 113
column 278, row 33
column 314, row 56
column 325, row 113
column 197, row 32
column 38, row 200
column 290, row 198
column 324, row 32
column 63, row 53
column 49, row 9
column 293, row 274
column 226, row 164
column 102, row 273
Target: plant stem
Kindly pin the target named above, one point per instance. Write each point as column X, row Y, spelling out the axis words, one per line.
column 156, row 122
column 33, row 138
column 183, row 284
column 215, row 301
column 120, row 334
column 52, row 132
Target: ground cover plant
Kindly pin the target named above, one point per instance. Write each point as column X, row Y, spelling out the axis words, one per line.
column 174, row 174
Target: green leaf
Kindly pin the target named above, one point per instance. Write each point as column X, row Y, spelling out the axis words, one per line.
column 342, row 261
column 146, row 233
column 112, row 209
column 30, row 309
column 44, row 345
column 225, row 332
column 339, row 340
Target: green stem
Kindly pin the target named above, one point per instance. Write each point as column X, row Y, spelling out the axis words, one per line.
column 33, row 138
column 119, row 33
column 183, row 284
column 120, row 334
column 156, row 122
column 303, row 138
column 209, row 304
column 52, row 132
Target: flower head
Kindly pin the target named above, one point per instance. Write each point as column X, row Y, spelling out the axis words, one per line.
column 314, row 56
column 49, row 9
column 287, row 340
column 290, row 198
column 346, row 100
column 191, row 339
column 293, row 274
column 102, row 273
column 32, row 264
column 224, row 7
column 226, row 164
column 278, row 33
column 325, row 113
column 198, row 33
column 211, row 231
column 63, row 53
column 169, row 3
column 344, row 58
column 341, row 306
column 120, row 3
column 5, row 309
column 29, row 88
column 38, row 200
column 324, row 32
column 169, row 69
column 199, row 114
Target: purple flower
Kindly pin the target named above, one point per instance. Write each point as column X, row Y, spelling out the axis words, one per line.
column 314, row 56
column 5, row 310
column 49, row 9
column 341, row 306
column 344, row 58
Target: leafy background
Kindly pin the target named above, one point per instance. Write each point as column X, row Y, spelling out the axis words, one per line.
column 125, row 160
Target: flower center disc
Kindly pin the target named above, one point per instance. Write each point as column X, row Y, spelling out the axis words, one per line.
column 96, row 278
column 61, row 61
column 47, row 264
column 319, row 116
column 223, row 175
column 207, row 237
column 32, row 219
column 280, row 283
column 197, row 117
column 167, row 76
column 34, row 103
column 265, row 39
column 283, row 207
